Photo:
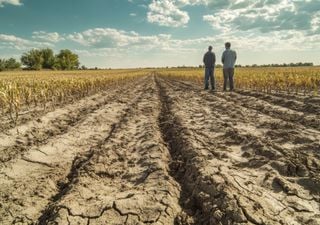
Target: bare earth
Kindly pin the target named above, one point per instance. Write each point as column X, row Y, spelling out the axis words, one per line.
column 160, row 151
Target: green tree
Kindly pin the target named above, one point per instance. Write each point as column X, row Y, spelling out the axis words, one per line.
column 33, row 59
column 9, row 64
column 48, row 58
column 66, row 60
column 12, row 64
column 2, row 64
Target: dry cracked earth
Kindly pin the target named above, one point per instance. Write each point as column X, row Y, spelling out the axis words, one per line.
column 162, row 151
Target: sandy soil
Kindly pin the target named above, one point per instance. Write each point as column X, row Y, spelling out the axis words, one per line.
column 159, row 151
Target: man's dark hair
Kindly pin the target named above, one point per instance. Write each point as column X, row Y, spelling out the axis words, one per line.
column 210, row 48
column 227, row 44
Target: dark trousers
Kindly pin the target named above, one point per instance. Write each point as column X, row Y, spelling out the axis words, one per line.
column 228, row 78
column 209, row 74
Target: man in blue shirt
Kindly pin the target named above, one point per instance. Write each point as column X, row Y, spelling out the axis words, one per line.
column 209, row 60
column 228, row 59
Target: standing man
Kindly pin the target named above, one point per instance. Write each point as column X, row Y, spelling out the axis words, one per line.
column 209, row 60
column 229, row 58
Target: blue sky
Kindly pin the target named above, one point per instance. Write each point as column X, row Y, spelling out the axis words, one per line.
column 141, row 33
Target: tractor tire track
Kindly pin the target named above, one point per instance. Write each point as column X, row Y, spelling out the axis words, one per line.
column 125, row 179
column 309, row 106
column 29, row 183
column 241, row 176
column 41, row 130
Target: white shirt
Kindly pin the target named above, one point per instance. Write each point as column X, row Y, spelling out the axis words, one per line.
column 229, row 58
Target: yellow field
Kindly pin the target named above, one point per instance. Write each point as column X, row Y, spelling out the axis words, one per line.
column 38, row 89
column 304, row 80
column 32, row 88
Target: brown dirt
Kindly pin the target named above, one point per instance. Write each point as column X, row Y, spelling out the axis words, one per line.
column 160, row 151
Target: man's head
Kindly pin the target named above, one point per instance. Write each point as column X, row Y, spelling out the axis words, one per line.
column 227, row 45
column 210, row 48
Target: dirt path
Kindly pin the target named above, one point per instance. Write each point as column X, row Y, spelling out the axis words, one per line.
column 159, row 151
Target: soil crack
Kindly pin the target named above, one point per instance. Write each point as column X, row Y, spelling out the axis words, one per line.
column 36, row 162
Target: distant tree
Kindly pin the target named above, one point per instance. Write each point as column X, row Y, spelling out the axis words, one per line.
column 282, row 65
column 66, row 60
column 45, row 59
column 48, row 58
column 9, row 64
column 2, row 64
column 12, row 64
column 83, row 67
column 33, row 59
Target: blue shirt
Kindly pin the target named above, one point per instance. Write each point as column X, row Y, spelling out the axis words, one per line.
column 229, row 58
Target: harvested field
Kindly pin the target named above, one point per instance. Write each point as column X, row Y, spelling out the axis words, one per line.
column 163, row 151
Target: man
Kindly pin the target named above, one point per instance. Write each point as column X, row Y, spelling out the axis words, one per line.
column 209, row 60
column 229, row 58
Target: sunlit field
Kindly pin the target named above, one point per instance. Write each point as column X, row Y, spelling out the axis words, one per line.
column 292, row 80
column 151, row 146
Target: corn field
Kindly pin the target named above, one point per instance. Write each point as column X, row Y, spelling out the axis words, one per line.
column 290, row 80
column 25, row 90
column 47, row 88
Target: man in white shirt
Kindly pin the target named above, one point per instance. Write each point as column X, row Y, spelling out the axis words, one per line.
column 228, row 59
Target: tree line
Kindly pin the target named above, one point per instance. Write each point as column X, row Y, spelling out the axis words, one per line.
column 265, row 65
column 283, row 64
column 37, row 59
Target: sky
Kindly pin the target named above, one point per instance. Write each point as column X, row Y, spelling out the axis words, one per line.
column 158, row 33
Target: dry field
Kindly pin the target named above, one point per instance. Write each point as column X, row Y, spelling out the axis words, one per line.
column 152, row 147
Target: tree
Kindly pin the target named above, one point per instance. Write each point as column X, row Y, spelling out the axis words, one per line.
column 2, row 64
column 66, row 60
column 33, row 59
column 9, row 64
column 48, row 58
column 12, row 64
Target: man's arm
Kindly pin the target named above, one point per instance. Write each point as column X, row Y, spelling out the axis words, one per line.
column 204, row 59
column 214, row 59
column 235, row 56
column 222, row 58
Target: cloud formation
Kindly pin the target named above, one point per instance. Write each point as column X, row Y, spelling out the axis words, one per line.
column 166, row 13
column 169, row 13
column 17, row 43
column 108, row 38
column 264, row 15
column 45, row 36
column 100, row 38
column 10, row 2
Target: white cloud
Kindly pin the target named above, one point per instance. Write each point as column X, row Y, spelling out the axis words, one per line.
column 13, row 42
column 191, row 2
column 45, row 36
column 263, row 15
column 107, row 38
column 166, row 13
column 110, row 38
column 315, row 23
column 11, row 2
column 169, row 13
